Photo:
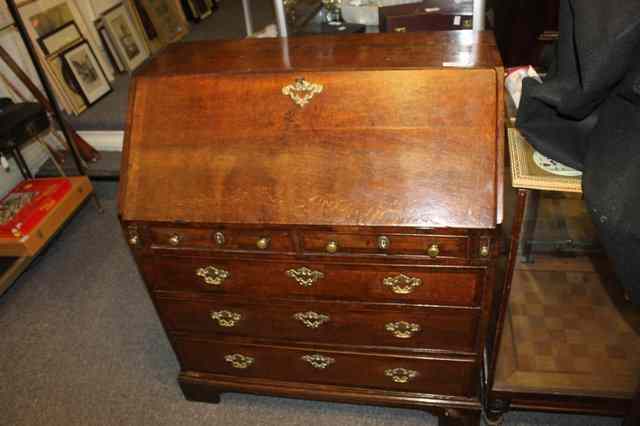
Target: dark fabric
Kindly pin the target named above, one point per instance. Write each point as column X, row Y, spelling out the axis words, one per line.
column 586, row 114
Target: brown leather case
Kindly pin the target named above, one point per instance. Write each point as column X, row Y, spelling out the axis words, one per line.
column 430, row 15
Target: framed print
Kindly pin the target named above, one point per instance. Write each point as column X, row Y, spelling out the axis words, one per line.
column 66, row 85
column 167, row 18
column 87, row 73
column 44, row 17
column 126, row 39
column 60, row 39
column 145, row 26
column 110, row 48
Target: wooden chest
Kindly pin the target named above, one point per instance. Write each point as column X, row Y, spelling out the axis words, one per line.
column 315, row 217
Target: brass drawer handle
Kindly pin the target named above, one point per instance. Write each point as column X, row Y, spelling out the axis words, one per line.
column 484, row 251
column 239, row 360
column 304, row 276
column 402, row 329
column 400, row 29
column 263, row 243
column 311, row 319
column 401, row 375
column 402, row 284
column 226, row 318
column 175, row 239
column 331, row 247
column 433, row 250
column 318, row 361
column 212, row 275
column 383, row 242
column 301, row 92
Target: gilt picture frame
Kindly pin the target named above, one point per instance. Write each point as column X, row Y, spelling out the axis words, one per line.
column 87, row 73
column 128, row 42
column 167, row 18
column 60, row 39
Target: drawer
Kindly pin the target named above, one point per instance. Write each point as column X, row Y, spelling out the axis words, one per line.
column 430, row 246
column 438, row 376
column 353, row 324
column 365, row 282
column 222, row 239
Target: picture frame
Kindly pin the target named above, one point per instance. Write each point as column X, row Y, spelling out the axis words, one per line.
column 72, row 97
column 145, row 27
column 87, row 72
column 110, row 48
column 60, row 39
column 197, row 9
column 41, row 17
column 167, row 18
column 125, row 37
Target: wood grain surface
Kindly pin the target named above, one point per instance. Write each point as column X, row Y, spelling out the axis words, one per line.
column 386, row 148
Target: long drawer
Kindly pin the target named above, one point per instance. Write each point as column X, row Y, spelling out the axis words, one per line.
column 364, row 282
column 444, row 376
column 404, row 327
column 369, row 241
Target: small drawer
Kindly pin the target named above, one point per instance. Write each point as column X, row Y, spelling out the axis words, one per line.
column 352, row 324
column 222, row 239
column 430, row 246
column 426, row 375
column 315, row 280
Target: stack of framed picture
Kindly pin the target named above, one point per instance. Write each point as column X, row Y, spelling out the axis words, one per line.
column 197, row 10
column 82, row 54
column 67, row 51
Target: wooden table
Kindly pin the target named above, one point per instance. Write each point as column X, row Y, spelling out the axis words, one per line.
column 566, row 339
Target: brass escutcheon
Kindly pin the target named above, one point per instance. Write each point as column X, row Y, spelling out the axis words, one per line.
column 383, row 242
column 239, row 360
column 226, row 318
column 219, row 238
column 401, row 375
column 318, row 361
column 212, row 275
column 402, row 329
column 311, row 319
column 402, row 284
column 302, row 91
column 304, row 276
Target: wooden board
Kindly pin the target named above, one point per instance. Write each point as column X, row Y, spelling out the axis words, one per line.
column 585, row 348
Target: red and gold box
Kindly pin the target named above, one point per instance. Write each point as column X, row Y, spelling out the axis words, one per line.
column 34, row 211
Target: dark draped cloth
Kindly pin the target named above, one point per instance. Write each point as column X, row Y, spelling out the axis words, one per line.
column 586, row 114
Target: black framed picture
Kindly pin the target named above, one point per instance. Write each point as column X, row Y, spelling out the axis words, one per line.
column 86, row 72
column 60, row 39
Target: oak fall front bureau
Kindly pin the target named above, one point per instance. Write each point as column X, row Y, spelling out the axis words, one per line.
column 315, row 217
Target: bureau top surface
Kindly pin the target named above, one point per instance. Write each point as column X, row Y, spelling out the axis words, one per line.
column 356, row 51
column 392, row 139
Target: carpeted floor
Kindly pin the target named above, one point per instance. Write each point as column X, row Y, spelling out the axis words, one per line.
column 80, row 344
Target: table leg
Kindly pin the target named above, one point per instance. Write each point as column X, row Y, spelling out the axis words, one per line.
column 529, row 226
